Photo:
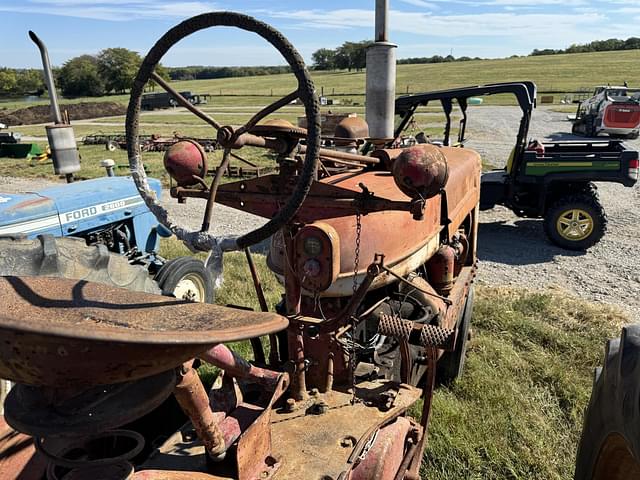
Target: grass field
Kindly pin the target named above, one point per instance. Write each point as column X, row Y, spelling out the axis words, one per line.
column 552, row 73
column 236, row 99
column 517, row 411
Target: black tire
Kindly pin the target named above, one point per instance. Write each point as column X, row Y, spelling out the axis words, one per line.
column 111, row 146
column 451, row 365
column 575, row 129
column 69, row 257
column 633, row 136
column 576, row 222
column 186, row 278
column 610, row 444
column 589, row 127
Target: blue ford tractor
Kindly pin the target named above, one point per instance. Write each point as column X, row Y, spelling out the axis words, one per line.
column 103, row 222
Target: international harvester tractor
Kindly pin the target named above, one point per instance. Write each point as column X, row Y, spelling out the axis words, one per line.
column 377, row 256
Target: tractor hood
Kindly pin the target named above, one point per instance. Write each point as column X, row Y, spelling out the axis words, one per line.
column 72, row 208
column 28, row 214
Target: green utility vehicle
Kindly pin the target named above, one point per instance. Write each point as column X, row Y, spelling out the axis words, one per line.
column 549, row 180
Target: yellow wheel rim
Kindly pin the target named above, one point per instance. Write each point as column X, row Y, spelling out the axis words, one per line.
column 575, row 224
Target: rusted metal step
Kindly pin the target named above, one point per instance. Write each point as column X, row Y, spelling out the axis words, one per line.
column 414, row 333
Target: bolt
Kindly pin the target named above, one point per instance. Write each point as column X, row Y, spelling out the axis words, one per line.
column 348, row 442
column 291, row 405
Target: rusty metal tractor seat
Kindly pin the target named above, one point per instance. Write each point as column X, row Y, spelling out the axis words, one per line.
column 89, row 358
column 67, row 333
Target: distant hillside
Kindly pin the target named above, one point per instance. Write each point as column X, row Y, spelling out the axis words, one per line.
column 555, row 73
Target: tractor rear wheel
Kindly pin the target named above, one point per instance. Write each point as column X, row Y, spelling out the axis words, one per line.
column 450, row 366
column 69, row 257
column 576, row 222
column 186, row 278
column 610, row 444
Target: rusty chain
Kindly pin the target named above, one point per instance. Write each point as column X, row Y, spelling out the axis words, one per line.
column 356, row 264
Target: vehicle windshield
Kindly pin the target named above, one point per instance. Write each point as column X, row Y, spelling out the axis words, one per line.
column 622, row 94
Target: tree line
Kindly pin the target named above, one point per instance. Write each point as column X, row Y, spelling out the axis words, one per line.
column 612, row 44
column 21, row 82
column 112, row 70
column 349, row 56
column 208, row 73
column 353, row 56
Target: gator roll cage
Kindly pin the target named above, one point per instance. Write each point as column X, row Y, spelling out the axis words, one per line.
column 525, row 93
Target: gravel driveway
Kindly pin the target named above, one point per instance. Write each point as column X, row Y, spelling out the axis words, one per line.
column 512, row 251
column 515, row 251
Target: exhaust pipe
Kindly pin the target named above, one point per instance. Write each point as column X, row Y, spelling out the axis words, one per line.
column 381, row 78
column 48, row 78
column 62, row 140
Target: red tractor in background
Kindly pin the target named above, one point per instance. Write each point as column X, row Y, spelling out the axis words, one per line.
column 377, row 254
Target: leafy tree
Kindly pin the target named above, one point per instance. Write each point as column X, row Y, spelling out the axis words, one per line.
column 8, row 80
column 118, row 67
column 324, row 59
column 352, row 55
column 80, row 76
column 30, row 81
column 632, row 43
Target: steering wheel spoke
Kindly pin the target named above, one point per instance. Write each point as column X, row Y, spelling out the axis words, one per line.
column 224, row 164
column 184, row 102
column 268, row 110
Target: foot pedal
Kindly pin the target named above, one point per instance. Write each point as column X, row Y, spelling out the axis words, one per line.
column 414, row 333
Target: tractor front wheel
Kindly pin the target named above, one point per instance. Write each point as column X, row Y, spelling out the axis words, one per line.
column 610, row 444
column 186, row 278
column 576, row 222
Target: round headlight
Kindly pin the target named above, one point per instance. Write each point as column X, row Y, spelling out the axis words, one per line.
column 312, row 246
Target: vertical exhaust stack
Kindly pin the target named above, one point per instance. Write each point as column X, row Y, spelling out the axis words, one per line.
column 381, row 78
column 62, row 140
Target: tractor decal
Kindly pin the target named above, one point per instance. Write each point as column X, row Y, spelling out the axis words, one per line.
column 95, row 210
column 30, row 226
column 544, row 168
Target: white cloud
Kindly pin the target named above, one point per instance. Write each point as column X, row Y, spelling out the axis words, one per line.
column 111, row 10
column 419, row 3
column 536, row 3
column 536, row 25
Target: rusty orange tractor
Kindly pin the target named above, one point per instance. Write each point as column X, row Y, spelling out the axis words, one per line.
column 377, row 256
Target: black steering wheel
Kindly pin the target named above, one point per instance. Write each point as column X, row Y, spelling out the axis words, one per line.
column 202, row 240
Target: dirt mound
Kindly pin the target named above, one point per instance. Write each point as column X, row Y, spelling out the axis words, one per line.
column 76, row 111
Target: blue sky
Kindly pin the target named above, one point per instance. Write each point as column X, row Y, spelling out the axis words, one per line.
column 485, row 28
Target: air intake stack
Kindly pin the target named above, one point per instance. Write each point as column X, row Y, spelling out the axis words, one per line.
column 381, row 77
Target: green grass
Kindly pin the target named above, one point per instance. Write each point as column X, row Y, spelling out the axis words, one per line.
column 563, row 73
column 91, row 155
column 558, row 73
column 517, row 411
